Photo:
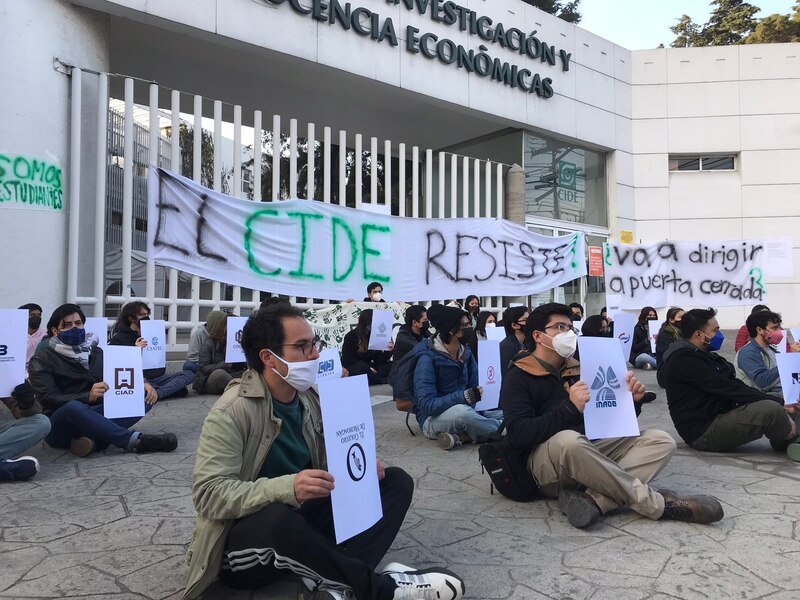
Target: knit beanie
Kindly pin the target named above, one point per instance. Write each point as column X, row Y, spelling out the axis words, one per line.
column 445, row 318
column 213, row 319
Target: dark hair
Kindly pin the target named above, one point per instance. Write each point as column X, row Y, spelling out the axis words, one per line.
column 761, row 319
column 670, row 315
column 274, row 300
column 593, row 325
column 414, row 313
column 131, row 309
column 469, row 299
column 31, row 306
column 362, row 329
column 264, row 330
column 480, row 325
column 759, row 308
column 603, row 310
column 58, row 316
column 694, row 320
column 512, row 315
column 576, row 305
column 538, row 319
column 372, row 286
column 646, row 311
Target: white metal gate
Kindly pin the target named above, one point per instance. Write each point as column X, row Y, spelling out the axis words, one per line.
column 428, row 184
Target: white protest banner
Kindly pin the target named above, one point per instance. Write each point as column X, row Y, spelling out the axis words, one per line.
column 352, row 460
column 330, row 365
column 154, row 332
column 233, row 341
column 653, row 327
column 672, row 273
column 380, row 334
column 489, row 374
column 623, row 331
column 610, row 411
column 496, row 333
column 13, row 349
column 334, row 322
column 99, row 327
column 780, row 257
column 321, row 250
column 789, row 372
column 122, row 372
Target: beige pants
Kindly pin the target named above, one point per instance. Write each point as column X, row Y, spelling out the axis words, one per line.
column 615, row 471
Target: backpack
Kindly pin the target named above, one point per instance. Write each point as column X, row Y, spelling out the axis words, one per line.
column 507, row 468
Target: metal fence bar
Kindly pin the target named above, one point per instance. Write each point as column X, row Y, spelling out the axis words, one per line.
column 373, row 170
column 311, row 146
column 327, row 161
column 428, row 183
column 100, row 196
column 197, row 142
column 342, row 167
column 358, row 164
column 216, row 286
column 387, row 173
column 415, row 182
column 153, row 147
column 127, row 192
column 175, row 162
column 276, row 157
column 74, row 185
column 236, row 182
column 292, row 158
column 401, row 177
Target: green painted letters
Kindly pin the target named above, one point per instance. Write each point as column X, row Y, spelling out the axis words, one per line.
column 366, row 251
column 337, row 223
column 304, row 244
column 248, row 234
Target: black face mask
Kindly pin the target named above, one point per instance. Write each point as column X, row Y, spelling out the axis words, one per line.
column 575, row 317
column 144, row 318
column 425, row 327
column 34, row 322
column 466, row 334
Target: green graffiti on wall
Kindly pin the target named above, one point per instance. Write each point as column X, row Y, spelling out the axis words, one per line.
column 26, row 181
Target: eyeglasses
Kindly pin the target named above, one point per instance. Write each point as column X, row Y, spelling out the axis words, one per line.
column 305, row 347
column 562, row 327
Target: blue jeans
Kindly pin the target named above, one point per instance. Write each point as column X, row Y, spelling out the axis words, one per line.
column 22, row 434
column 76, row 419
column 462, row 418
column 190, row 365
column 169, row 384
column 643, row 359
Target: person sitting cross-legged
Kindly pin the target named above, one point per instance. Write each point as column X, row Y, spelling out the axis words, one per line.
column 197, row 338
column 67, row 378
column 543, row 396
column 213, row 373
column 446, row 384
column 262, row 490
column 18, row 432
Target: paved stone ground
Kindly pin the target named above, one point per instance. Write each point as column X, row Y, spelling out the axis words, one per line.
column 114, row 526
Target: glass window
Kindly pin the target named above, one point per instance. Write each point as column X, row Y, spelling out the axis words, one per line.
column 684, row 164
column 717, row 163
column 702, row 163
column 564, row 181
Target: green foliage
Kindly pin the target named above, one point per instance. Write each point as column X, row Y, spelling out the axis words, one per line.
column 566, row 10
column 186, row 142
column 730, row 22
column 688, row 33
column 775, row 29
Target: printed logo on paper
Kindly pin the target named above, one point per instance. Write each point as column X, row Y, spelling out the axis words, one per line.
column 606, row 381
column 567, row 175
column 356, row 462
column 382, row 328
column 238, row 337
column 490, row 375
column 624, row 337
column 123, row 379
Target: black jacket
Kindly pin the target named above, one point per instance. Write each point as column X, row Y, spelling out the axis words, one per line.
column 125, row 336
column 509, row 348
column 664, row 340
column 405, row 341
column 212, row 357
column 702, row 385
column 641, row 341
column 351, row 355
column 57, row 380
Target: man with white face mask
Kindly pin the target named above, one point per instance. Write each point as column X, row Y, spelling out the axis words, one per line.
column 543, row 400
column 262, row 491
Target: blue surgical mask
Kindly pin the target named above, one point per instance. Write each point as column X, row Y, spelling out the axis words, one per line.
column 73, row 337
column 715, row 343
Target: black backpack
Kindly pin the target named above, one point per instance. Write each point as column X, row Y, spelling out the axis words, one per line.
column 507, row 468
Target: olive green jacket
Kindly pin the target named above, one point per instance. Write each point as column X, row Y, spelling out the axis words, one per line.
column 236, row 437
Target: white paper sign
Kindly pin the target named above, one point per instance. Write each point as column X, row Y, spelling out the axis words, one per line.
column 789, row 372
column 795, row 334
column 233, row 342
column 154, row 332
column 350, row 447
column 612, row 303
column 381, row 333
column 623, row 331
column 496, row 333
column 13, row 349
column 579, row 326
column 489, row 374
column 653, row 327
column 122, row 372
column 99, row 327
column 330, row 365
column 610, row 411
column 780, row 257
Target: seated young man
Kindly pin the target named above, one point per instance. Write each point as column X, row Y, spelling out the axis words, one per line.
column 67, row 377
column 262, row 492
column 18, row 432
column 712, row 410
column 543, row 401
column 415, row 329
column 446, row 384
column 755, row 362
column 126, row 332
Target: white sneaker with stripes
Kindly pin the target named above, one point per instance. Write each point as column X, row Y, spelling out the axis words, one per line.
column 424, row 584
column 311, row 591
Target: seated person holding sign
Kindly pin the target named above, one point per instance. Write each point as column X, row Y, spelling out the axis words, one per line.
column 358, row 359
column 755, row 362
column 262, row 491
column 126, row 332
column 198, row 337
column 213, row 373
column 67, row 377
column 446, row 384
column 712, row 410
column 543, row 400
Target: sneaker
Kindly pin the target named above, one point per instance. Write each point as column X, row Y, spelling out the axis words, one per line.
column 424, row 584
column 793, row 451
column 579, row 507
column 18, row 469
column 448, row 441
column 311, row 591
column 82, row 446
column 691, row 509
column 647, row 367
column 159, row 442
column 648, row 397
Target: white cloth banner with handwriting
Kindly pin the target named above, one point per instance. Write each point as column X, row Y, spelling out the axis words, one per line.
column 677, row 273
column 234, row 353
column 352, row 459
column 154, row 332
column 490, row 375
column 610, row 411
column 13, row 349
column 320, row 250
column 122, row 372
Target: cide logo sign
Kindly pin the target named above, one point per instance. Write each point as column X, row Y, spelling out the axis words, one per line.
column 325, row 368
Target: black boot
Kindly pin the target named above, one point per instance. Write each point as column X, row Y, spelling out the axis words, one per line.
column 159, row 442
column 691, row 509
column 579, row 507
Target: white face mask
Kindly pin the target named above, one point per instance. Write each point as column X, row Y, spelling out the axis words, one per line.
column 491, row 324
column 565, row 344
column 301, row 375
column 376, row 297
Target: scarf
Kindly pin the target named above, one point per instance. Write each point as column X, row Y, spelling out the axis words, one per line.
column 79, row 353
